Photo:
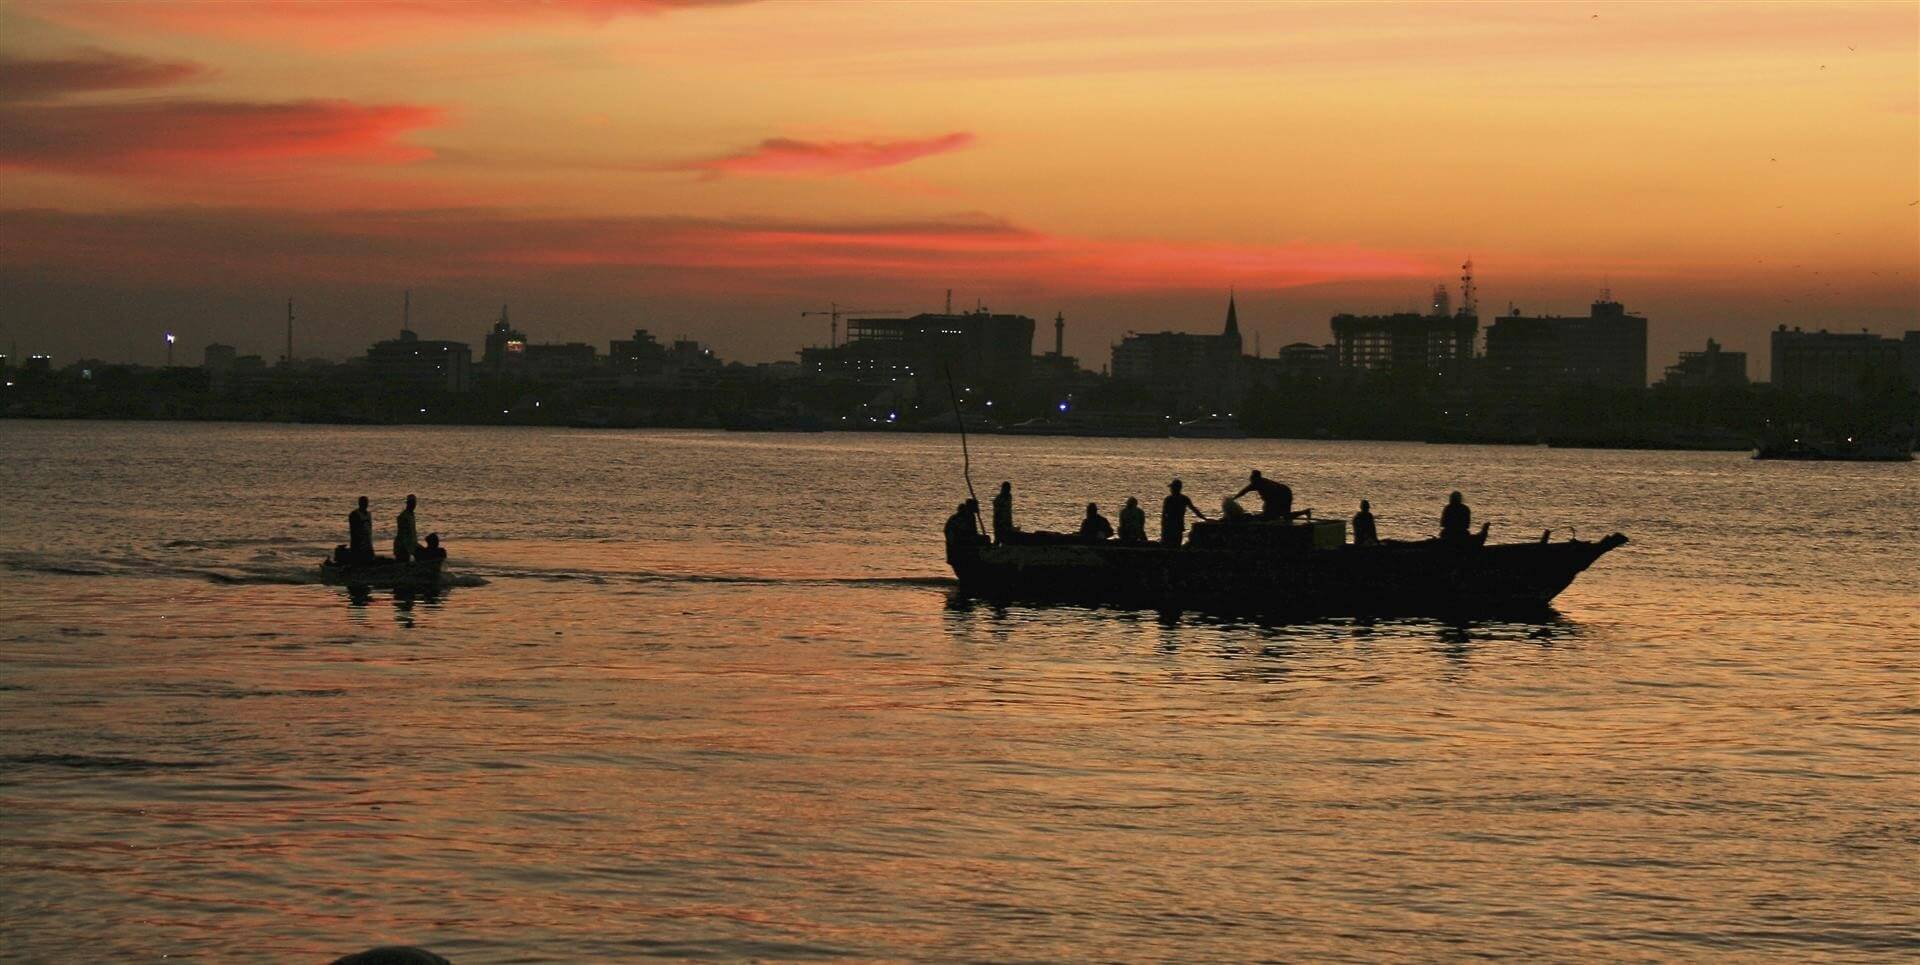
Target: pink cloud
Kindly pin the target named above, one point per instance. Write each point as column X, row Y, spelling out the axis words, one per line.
column 782, row 156
column 175, row 135
column 88, row 70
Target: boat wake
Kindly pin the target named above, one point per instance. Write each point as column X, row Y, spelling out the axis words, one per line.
column 300, row 567
column 274, row 570
column 654, row 577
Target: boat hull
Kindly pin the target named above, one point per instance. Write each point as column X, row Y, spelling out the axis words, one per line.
column 1391, row 579
column 383, row 573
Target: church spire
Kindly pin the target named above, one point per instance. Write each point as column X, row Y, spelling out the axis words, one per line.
column 1233, row 317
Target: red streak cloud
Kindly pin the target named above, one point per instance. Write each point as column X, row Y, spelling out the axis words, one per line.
column 167, row 136
column 783, row 156
column 88, row 70
column 643, row 254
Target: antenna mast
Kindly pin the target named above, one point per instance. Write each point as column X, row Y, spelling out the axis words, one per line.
column 289, row 333
column 1469, row 297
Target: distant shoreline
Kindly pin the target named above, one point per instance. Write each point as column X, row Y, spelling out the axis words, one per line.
column 1620, row 443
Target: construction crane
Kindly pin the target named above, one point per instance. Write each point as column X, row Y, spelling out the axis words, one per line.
column 835, row 312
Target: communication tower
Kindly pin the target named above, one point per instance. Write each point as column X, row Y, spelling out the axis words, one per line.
column 1469, row 297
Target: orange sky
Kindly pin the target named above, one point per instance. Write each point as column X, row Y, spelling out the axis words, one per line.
column 713, row 168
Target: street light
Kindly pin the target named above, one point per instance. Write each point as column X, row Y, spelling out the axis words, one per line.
column 169, row 350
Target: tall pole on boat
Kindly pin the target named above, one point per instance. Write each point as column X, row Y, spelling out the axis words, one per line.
column 966, row 457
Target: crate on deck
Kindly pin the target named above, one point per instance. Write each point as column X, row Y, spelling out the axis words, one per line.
column 1269, row 534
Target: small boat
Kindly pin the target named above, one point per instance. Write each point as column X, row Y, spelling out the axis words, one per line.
column 383, row 572
column 1279, row 568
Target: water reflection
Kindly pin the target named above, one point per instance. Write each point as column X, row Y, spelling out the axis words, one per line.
column 405, row 599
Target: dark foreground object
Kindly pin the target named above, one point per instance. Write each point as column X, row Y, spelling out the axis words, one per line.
column 383, row 572
column 392, row 955
column 1269, row 568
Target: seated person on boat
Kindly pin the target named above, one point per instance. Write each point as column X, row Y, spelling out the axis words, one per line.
column 1133, row 522
column 1364, row 533
column 1095, row 528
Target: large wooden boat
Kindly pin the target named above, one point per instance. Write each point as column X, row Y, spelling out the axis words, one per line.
column 1269, row 567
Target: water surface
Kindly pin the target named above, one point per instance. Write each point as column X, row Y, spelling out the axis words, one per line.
column 708, row 694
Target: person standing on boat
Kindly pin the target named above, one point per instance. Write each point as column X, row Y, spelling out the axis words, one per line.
column 963, row 530
column 1364, row 533
column 1133, row 522
column 360, row 534
column 406, row 539
column 1173, row 514
column 1095, row 528
column 1276, row 498
column 1003, row 514
column 1456, row 520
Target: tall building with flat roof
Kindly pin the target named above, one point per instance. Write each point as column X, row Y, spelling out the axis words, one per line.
column 1833, row 363
column 1713, row 368
column 980, row 348
column 1406, row 343
column 219, row 358
column 411, row 362
column 1605, row 347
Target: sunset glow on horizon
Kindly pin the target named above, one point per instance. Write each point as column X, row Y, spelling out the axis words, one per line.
column 716, row 168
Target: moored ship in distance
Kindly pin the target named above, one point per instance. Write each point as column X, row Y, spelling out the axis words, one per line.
column 1209, row 427
column 1109, row 425
column 774, row 420
column 1272, row 567
column 1807, row 446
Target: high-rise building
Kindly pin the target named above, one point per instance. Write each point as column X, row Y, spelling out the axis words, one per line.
column 1439, row 343
column 219, row 358
column 1833, row 363
column 427, row 365
column 1605, row 347
column 979, row 348
column 1713, row 368
column 1182, row 368
column 506, row 348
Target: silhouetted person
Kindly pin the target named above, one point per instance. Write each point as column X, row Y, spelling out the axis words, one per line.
column 1364, row 533
column 1276, row 498
column 406, row 542
column 1003, row 514
column 963, row 530
column 360, row 534
column 1173, row 514
column 432, row 550
column 1456, row 520
column 1095, row 528
column 1133, row 522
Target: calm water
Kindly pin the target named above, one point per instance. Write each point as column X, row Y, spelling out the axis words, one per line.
column 706, row 694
